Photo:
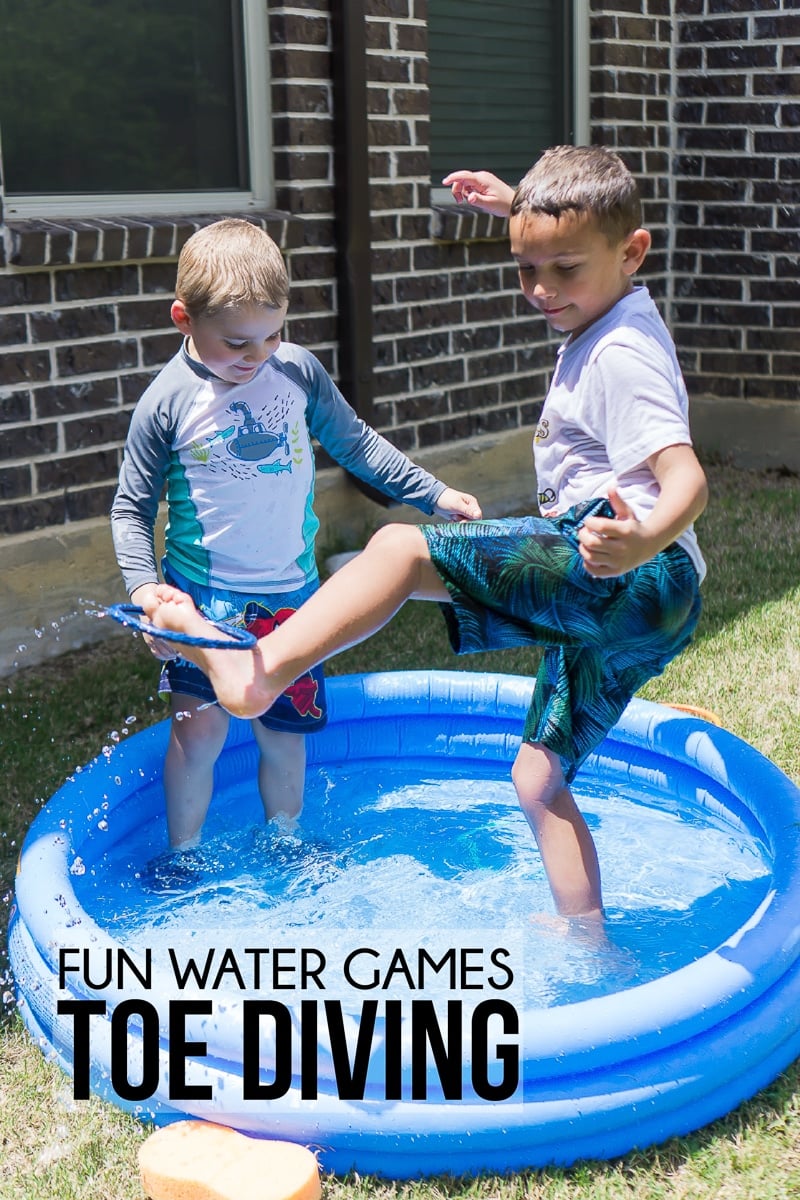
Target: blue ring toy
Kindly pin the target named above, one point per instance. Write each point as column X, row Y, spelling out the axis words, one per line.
column 132, row 615
column 597, row 1078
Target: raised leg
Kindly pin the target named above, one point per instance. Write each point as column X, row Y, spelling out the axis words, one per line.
column 354, row 603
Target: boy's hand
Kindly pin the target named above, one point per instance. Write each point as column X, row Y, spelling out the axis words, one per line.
column 481, row 190
column 457, row 506
column 611, row 547
column 145, row 596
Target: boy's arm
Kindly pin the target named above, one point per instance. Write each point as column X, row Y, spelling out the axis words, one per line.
column 457, row 506
column 481, row 190
column 364, row 452
column 612, row 547
column 135, row 507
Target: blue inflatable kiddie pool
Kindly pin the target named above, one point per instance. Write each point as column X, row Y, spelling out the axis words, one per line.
column 384, row 982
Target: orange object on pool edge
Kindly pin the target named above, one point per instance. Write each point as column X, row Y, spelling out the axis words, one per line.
column 704, row 713
column 198, row 1160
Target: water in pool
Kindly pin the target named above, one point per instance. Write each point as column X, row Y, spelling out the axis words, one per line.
column 388, row 855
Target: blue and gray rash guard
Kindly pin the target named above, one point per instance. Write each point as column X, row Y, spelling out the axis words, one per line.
column 238, row 463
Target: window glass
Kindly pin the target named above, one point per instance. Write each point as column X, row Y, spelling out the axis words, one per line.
column 500, row 85
column 101, row 96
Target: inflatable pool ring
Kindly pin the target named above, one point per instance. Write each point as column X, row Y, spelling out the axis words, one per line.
column 594, row 1078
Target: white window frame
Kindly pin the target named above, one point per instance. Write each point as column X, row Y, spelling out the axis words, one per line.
column 259, row 141
column 580, row 57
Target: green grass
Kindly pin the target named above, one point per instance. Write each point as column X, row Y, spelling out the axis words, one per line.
column 744, row 665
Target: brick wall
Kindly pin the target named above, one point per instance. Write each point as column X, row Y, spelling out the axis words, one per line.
column 701, row 98
column 302, row 132
column 455, row 344
column 84, row 326
column 630, row 88
column 696, row 94
column 737, row 195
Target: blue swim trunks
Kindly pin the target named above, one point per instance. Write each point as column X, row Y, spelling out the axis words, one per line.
column 521, row 581
column 302, row 708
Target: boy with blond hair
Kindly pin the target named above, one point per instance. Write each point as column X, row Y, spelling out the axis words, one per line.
column 228, row 426
column 606, row 578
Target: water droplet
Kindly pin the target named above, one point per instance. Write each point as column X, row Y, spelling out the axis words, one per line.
column 78, row 867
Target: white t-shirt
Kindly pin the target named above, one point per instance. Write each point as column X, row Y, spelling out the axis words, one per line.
column 617, row 396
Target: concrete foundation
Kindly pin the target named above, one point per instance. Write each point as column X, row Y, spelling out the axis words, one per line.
column 759, row 436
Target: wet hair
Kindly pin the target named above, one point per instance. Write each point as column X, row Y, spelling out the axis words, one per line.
column 582, row 179
column 230, row 264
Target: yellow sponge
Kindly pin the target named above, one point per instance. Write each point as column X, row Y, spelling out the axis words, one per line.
column 197, row 1160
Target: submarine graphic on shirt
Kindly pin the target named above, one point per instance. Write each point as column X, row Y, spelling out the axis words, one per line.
column 250, row 442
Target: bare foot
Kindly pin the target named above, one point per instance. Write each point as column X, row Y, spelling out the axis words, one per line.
column 169, row 608
column 588, row 929
column 238, row 677
column 591, row 933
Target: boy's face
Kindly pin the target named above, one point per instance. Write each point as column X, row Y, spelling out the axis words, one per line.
column 233, row 344
column 569, row 270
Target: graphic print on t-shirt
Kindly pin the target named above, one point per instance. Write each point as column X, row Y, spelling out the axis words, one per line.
column 252, row 441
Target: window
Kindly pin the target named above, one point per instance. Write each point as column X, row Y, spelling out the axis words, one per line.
column 111, row 107
column 507, row 80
